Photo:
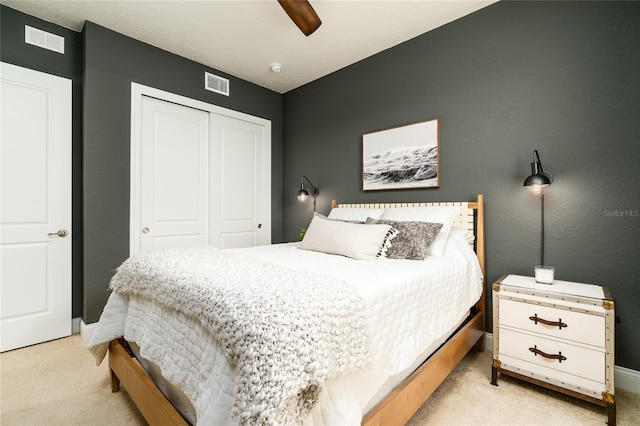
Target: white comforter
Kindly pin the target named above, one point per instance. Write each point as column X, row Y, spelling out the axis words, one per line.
column 408, row 305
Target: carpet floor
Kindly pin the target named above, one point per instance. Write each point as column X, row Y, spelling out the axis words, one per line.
column 58, row 383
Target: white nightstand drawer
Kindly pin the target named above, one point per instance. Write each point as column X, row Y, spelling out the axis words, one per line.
column 578, row 361
column 565, row 380
column 567, row 325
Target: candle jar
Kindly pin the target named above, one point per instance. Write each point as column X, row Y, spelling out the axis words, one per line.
column 544, row 274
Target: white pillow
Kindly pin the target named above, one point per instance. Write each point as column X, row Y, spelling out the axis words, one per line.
column 438, row 214
column 458, row 241
column 355, row 240
column 354, row 214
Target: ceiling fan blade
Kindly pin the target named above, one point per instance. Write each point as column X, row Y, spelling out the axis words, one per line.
column 302, row 14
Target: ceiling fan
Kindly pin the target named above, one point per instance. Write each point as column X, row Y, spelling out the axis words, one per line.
column 302, row 14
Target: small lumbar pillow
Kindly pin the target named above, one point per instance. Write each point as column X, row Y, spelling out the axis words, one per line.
column 355, row 240
column 435, row 214
column 413, row 240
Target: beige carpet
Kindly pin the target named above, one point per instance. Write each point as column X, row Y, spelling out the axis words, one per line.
column 57, row 383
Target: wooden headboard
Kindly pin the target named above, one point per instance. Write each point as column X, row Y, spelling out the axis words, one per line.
column 470, row 217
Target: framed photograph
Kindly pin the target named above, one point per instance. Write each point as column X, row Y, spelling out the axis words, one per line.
column 403, row 157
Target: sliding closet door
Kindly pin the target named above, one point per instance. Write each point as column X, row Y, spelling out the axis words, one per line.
column 200, row 174
column 238, row 158
column 173, row 176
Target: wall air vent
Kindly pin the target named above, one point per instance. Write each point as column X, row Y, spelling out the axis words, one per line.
column 43, row 39
column 216, row 84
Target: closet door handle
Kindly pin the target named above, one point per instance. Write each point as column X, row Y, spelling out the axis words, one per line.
column 537, row 352
column 558, row 323
column 61, row 233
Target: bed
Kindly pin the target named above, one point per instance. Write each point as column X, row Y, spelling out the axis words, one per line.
column 404, row 364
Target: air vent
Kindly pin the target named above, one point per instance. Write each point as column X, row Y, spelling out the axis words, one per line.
column 216, row 84
column 43, row 39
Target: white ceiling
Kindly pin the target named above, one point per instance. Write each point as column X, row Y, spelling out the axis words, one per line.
column 243, row 38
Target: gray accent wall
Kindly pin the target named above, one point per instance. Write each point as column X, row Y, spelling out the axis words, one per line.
column 559, row 77
column 14, row 50
column 111, row 62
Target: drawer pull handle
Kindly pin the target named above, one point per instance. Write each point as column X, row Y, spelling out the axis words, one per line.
column 537, row 352
column 558, row 323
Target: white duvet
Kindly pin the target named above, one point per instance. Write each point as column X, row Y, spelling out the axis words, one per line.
column 408, row 305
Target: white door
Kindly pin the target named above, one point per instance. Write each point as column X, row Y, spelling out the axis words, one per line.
column 200, row 174
column 35, row 209
column 174, row 172
column 238, row 179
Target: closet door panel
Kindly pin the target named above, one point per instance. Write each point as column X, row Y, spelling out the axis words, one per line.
column 238, row 151
column 174, row 172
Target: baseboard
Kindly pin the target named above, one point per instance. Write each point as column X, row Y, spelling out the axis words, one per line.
column 75, row 325
column 627, row 379
column 624, row 378
column 488, row 342
column 86, row 330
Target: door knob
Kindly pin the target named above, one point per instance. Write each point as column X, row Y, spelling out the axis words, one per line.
column 259, row 225
column 145, row 230
column 61, row 233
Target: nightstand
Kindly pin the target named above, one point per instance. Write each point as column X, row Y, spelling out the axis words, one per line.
column 560, row 336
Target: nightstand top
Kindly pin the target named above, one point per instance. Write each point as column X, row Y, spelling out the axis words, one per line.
column 560, row 287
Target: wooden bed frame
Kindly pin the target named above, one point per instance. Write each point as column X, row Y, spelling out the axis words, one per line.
column 398, row 407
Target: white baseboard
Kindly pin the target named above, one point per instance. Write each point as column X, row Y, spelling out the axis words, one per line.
column 86, row 330
column 75, row 325
column 624, row 378
column 488, row 342
column 627, row 379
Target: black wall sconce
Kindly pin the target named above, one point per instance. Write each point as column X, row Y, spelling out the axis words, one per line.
column 536, row 183
column 303, row 194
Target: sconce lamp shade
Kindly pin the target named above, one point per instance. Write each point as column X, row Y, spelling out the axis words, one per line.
column 303, row 194
column 539, row 179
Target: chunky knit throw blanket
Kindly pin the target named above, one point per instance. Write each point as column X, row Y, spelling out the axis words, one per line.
column 284, row 330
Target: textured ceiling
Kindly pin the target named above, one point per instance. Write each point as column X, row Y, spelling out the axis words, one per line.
column 243, row 38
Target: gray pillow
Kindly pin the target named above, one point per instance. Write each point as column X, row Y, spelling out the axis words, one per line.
column 413, row 239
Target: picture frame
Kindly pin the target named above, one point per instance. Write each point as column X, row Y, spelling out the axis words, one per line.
column 402, row 157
